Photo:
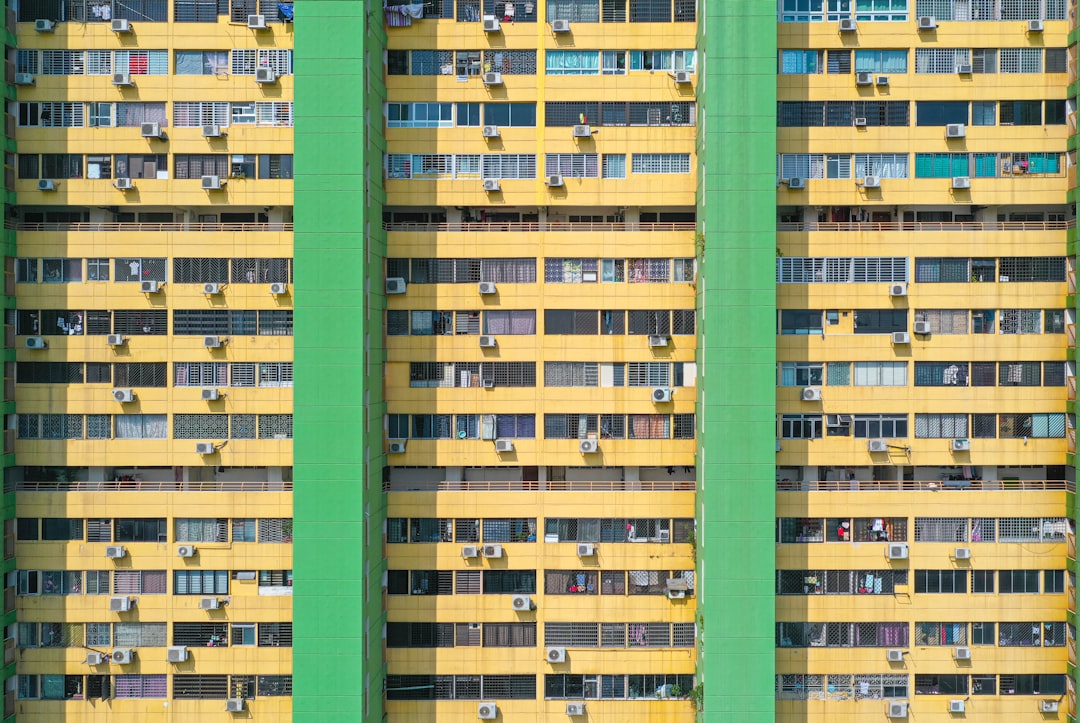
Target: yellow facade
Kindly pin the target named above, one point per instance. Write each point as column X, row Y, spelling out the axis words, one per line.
column 244, row 488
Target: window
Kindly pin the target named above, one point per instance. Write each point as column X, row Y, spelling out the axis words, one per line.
column 664, row 163
column 202, row 62
column 982, row 581
column 800, row 62
column 190, row 529
column 201, row 582
column 800, row 426
column 800, row 321
column 1028, row 684
column 510, row 115
column 1018, row 581
column 801, row 374
column 880, row 321
column 872, row 426
column 572, row 62
column 940, row 60
column 941, row 685
column 941, row 581
column 941, row 426
column 139, row 582
column 1020, row 635
column 881, row 61
column 939, row 113
column 572, row 165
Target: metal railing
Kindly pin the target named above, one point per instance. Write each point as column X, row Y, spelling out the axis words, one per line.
column 929, row 226
column 1054, row 485
column 533, row 486
column 145, row 227
column 555, row 226
column 149, row 486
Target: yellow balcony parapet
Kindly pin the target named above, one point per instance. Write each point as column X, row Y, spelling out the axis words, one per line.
column 149, row 486
column 534, row 486
column 144, row 227
column 1053, row 485
column 576, row 226
column 928, row 226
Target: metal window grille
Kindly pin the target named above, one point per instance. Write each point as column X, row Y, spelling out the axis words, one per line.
column 201, row 634
column 612, row 426
column 240, row 374
column 208, row 529
column 984, row 426
column 1046, row 268
column 200, row 374
column 941, row 60
column 275, row 635
column 467, row 582
column 140, row 635
column 260, row 270
column 510, row 62
column 571, row 374
column 572, row 165
column 648, row 374
column 798, row 686
column 941, row 634
column 941, row 529
column 63, row 62
column 275, row 529
column 941, row 426
column 195, row 114
column 1020, row 635
column 200, row 687
column 200, row 270
column 1021, row 60
column 895, row 528
column 275, row 426
column 660, row 163
column 273, row 685
column 200, row 426
column 139, row 582
column 684, row 425
column 139, row 374
column 1054, row 635
column 245, row 62
column 572, row 635
column 508, row 166
column 945, row 321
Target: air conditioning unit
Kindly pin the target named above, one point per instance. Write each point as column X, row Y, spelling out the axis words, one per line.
column 860, row 122
column 210, row 395
column 185, row 551
column 36, row 342
column 493, row 79
column 209, row 603
column 486, row 288
column 46, row 184
column 204, row 448
column 962, row 653
column 661, row 395
column 177, row 654
column 575, row 709
column 122, row 656
column 871, row 181
column 235, row 705
column 151, row 130
column 877, row 445
column 257, row 22
column 957, row 706
column 487, row 383
column 396, row 448
column 560, row 26
column 521, row 602
column 848, row 25
column 901, row 337
column 963, row 69
column 582, row 132
column 211, row 288
column 395, row 285
column 585, row 549
column 555, row 655
column 94, row 658
column 676, row 594
column 961, row 445
column 124, row 184
column 470, row 551
column 927, row 22
column 955, row 130
column 1048, row 706
column 1036, row 26
column 119, row 604
column 658, row 340
column 212, row 132
column 796, row 184
column 882, row 80
column 896, row 551
column 24, row 79
column 962, row 553
column 898, row 289
column 504, row 445
column 493, row 551
column 961, row 182
column 487, row 342
column 212, row 342
column 123, row 395
column 121, row 79
column 265, row 75
column 894, row 655
column 811, row 394
column 487, row 711
column 44, row 26
column 149, row 287
column 121, row 25
column 555, row 181
column 921, row 327
column 588, row 446
column 212, row 183
column 896, row 709
column 491, row 132
column 277, row 289
column 682, row 77
column 115, row 552
column 864, row 79
column 491, row 24
column 492, row 184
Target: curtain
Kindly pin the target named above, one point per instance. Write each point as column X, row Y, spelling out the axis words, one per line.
column 572, row 62
column 508, row 271
column 587, row 11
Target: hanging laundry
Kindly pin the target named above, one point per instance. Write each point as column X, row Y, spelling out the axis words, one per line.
column 285, row 12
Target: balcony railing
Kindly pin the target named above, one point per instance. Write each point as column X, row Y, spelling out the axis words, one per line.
column 533, row 486
column 929, row 226
column 519, row 226
column 144, row 227
column 1053, row 485
column 148, row 486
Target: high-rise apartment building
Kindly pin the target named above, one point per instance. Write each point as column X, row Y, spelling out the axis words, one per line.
column 148, row 319
column 655, row 359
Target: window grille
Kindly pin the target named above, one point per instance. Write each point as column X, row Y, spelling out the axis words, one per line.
column 802, row 270
column 245, row 62
column 1020, row 635
column 194, row 114
column 139, row 582
column 945, row 321
column 467, row 582
column 660, row 163
column 139, row 374
column 1021, row 60
column 215, row 635
column 275, row 635
column 1050, row 268
column 140, row 686
column 275, row 529
column 941, row 529
column 941, row 60
column 200, row 374
column 200, row 687
column 200, row 270
column 275, row 426
column 191, row 529
column 572, row 165
column 572, row 635
column 510, row 62
column 941, row 426
column 797, row 686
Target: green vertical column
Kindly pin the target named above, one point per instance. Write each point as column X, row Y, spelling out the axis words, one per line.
column 7, row 501
column 736, row 300
column 338, row 619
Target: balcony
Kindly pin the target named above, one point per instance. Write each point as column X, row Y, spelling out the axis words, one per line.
column 148, row 486
column 147, row 227
column 926, row 486
column 554, row 226
column 536, row 486
column 865, row 226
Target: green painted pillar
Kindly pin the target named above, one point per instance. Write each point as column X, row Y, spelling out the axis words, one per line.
column 736, row 298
